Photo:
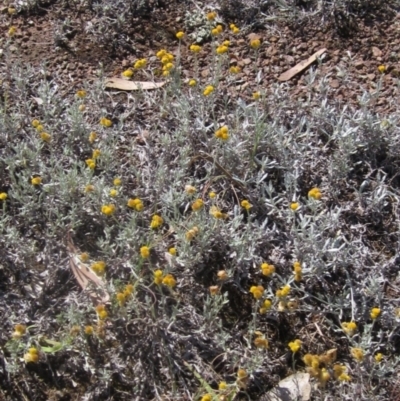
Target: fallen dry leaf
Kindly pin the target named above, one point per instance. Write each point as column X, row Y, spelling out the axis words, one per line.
column 289, row 74
column 85, row 276
column 119, row 83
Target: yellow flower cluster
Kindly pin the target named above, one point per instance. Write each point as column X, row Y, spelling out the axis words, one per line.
column 315, row 193
column 217, row 30
column 215, row 212
column 256, row 95
column 108, row 210
column 99, row 267
column 44, row 136
column 222, row 133
column 127, row 73
column 317, row 364
column 36, row 180
column 297, row 271
column 167, row 280
column 190, row 189
column 357, row 354
column 32, row 355
column 222, row 275
column 294, row 206
column 92, row 137
column 136, row 204
column 267, row 269
column 192, row 82
column 191, row 233
column 197, row 205
column 81, row 94
column 3, row 196
column 234, row 69
column 283, row 292
column 222, row 49
column 375, row 312
column 255, row 44
column 295, row 345
column 91, row 163
column 156, row 221
column 211, row 15
column 84, row 257
column 246, row 204
column 101, row 312
column 141, row 63
column 234, row 28
column 214, row 290
column 257, row 291
column 208, row 90
column 172, row 251
column 124, row 294
column 195, row 48
column 260, row 341
column 105, row 122
column 339, row 372
column 180, row 35
column 266, row 306
column 382, row 69
column 349, row 328
column 166, row 61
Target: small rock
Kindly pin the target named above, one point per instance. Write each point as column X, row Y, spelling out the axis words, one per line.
column 359, row 64
column 371, row 77
column 334, row 83
column 205, row 73
column 247, row 61
column 376, row 52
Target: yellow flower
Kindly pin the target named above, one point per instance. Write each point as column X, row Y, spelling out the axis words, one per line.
column 36, row 180
column 158, row 277
column 99, row 267
column 215, row 212
column 211, row 15
column 195, row 48
column 222, row 49
column 144, row 252
column 190, row 189
column 222, row 275
column 241, row 374
column 338, row 370
column 84, row 257
column 169, row 281
column 197, row 205
column 257, row 291
column 82, row 107
column 127, row 73
column 324, row 376
column 81, row 93
column 108, row 210
column 12, row 31
column 222, row 386
column 180, row 35
column 206, row 397
column 256, row 95
column 219, row 28
column 283, row 292
column 208, row 90
column 234, row 28
column 261, row 342
column 101, row 312
column 191, row 233
column 88, row 330
column 315, row 193
column 192, row 82
column 295, row 345
column 214, row 289
column 234, row 69
column 91, row 163
column 215, row 32
column 349, row 328
column 344, row 377
column 44, row 136
column 140, row 63
column 246, row 204
column 168, row 67
column 357, row 354
column 113, row 193
column 294, row 206
column 92, row 137
column 167, row 58
column 35, row 123
column 378, row 357
column 161, row 53
column 105, row 122
column 255, row 44
column 382, row 69
column 212, row 195
column 32, row 355
column 266, row 306
column 172, row 251
column 156, row 221
column 121, row 298
column 89, row 188
column 19, row 331
column 3, row 196
column 96, row 153
column 128, row 290
column 267, row 269
column 136, row 204
column 375, row 312
column 226, row 43
column 222, row 133
column 165, row 73
column 39, row 128
column 297, row 267
column 117, row 182
column 11, row 10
